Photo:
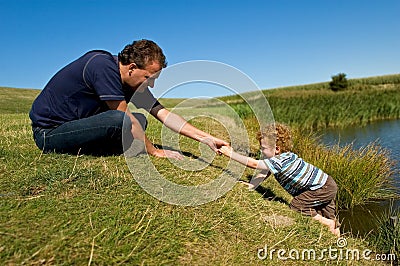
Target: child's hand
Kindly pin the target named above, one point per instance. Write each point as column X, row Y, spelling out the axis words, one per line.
column 226, row 150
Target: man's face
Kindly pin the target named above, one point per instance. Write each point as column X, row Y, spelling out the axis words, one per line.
column 143, row 78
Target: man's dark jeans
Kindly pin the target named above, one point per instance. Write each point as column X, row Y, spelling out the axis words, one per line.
column 100, row 134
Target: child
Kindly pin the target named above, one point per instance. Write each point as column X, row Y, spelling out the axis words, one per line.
column 313, row 190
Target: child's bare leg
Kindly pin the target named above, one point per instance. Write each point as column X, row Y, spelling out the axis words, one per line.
column 328, row 222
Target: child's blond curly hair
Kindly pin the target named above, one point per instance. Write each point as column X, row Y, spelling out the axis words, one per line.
column 278, row 133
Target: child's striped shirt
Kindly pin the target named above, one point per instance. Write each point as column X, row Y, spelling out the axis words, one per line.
column 294, row 174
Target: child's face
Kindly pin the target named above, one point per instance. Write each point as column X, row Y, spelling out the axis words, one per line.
column 269, row 150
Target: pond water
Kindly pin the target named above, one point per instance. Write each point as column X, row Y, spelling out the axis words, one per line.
column 361, row 219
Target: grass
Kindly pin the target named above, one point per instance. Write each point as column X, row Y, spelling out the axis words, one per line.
column 386, row 238
column 16, row 101
column 358, row 105
column 361, row 174
column 76, row 210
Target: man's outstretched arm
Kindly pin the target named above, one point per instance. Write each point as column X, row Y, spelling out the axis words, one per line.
column 180, row 125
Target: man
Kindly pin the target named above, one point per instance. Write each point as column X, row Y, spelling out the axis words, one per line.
column 83, row 107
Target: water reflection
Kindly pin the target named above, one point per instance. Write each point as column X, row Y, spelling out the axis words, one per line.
column 361, row 219
column 386, row 133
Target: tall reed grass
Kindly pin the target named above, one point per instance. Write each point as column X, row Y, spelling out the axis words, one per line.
column 314, row 106
column 361, row 174
column 386, row 237
column 329, row 109
column 378, row 80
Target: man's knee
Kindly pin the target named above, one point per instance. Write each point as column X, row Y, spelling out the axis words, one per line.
column 113, row 118
column 117, row 117
column 141, row 118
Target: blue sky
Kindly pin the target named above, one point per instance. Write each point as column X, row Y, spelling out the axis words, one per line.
column 276, row 43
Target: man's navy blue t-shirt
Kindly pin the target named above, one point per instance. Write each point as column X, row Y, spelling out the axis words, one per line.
column 80, row 90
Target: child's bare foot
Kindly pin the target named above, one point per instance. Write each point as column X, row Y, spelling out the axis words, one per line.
column 336, row 232
column 328, row 222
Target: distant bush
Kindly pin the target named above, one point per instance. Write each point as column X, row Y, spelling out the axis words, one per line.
column 339, row 82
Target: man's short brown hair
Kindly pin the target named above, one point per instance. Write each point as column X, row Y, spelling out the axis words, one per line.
column 141, row 53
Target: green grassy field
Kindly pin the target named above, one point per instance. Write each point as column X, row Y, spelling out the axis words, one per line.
column 316, row 107
column 83, row 210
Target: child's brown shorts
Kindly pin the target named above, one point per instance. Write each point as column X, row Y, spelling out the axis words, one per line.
column 320, row 201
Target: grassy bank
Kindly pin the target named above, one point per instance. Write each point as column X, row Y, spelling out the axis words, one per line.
column 315, row 106
column 77, row 210
column 364, row 174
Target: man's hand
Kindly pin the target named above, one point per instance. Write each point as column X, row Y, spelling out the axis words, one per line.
column 214, row 143
column 167, row 154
